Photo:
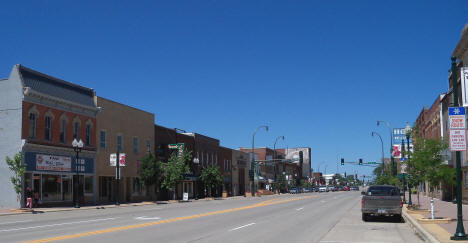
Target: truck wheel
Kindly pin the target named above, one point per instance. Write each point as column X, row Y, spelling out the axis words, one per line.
column 398, row 218
column 365, row 217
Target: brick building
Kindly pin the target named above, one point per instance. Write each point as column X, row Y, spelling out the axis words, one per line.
column 131, row 131
column 40, row 115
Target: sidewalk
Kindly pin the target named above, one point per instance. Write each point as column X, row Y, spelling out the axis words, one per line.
column 440, row 231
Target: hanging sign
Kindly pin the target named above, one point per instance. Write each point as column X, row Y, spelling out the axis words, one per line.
column 113, row 159
column 464, row 84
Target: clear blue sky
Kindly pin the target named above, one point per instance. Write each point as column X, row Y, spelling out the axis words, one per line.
column 318, row 72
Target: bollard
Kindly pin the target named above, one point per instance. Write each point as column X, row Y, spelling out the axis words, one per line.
column 432, row 208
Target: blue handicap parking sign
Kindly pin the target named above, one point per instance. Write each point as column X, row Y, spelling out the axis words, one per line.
column 456, row 111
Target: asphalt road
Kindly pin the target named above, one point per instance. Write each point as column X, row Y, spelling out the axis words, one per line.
column 310, row 217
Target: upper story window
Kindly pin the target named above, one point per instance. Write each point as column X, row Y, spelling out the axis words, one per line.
column 119, row 143
column 88, row 134
column 63, row 129
column 103, row 139
column 48, row 128
column 32, row 125
column 135, row 145
column 76, row 129
column 148, row 145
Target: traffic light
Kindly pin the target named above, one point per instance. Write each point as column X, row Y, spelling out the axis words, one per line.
column 342, row 161
column 360, row 161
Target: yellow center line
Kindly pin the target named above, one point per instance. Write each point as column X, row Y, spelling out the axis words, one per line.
column 114, row 229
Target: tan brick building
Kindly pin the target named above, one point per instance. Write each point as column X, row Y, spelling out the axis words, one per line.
column 132, row 131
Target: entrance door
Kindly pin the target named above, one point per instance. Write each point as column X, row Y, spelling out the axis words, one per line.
column 241, row 181
column 66, row 188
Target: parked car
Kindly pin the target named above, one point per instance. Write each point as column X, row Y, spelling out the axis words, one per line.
column 381, row 200
column 306, row 189
column 346, row 188
column 354, row 188
column 332, row 188
column 323, row 189
column 293, row 190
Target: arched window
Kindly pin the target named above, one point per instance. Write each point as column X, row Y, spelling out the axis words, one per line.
column 76, row 128
column 63, row 128
column 33, row 114
column 49, row 117
column 89, row 127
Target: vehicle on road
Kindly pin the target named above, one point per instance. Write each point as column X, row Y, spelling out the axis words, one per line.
column 346, row 188
column 354, row 188
column 382, row 200
column 332, row 188
column 293, row 190
column 323, row 189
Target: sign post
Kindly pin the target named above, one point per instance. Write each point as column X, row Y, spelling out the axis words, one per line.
column 121, row 162
column 457, row 125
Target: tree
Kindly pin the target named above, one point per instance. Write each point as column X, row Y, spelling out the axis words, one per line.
column 426, row 163
column 211, row 177
column 150, row 171
column 173, row 171
column 18, row 169
column 281, row 183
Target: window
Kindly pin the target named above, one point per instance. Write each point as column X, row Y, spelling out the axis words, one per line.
column 136, row 186
column 119, row 143
column 103, row 139
column 63, row 128
column 88, row 134
column 135, row 145
column 148, row 145
column 76, row 128
column 32, row 125
column 48, row 128
column 88, row 185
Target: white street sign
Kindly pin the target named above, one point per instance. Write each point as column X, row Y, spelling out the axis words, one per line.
column 185, row 196
column 457, row 140
column 403, row 168
column 457, row 122
column 113, row 159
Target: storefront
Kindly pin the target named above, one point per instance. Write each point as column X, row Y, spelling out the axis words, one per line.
column 51, row 177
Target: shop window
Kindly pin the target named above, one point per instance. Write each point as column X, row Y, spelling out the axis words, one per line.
column 32, row 125
column 51, row 185
column 148, row 145
column 103, row 139
column 135, row 145
column 48, row 128
column 88, row 185
column 136, row 186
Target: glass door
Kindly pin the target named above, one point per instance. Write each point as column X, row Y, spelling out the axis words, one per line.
column 66, row 188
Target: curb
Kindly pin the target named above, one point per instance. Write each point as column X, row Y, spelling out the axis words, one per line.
column 428, row 237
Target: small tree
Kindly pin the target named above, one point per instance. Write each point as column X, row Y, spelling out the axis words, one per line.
column 211, row 177
column 150, row 171
column 281, row 183
column 18, row 169
column 173, row 171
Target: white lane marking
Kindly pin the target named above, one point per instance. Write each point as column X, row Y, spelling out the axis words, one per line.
column 147, row 218
column 299, row 209
column 23, row 221
column 52, row 225
column 242, row 226
column 323, row 201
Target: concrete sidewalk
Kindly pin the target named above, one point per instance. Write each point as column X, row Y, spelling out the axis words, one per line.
column 438, row 232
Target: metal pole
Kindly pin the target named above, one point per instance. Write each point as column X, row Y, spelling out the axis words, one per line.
column 410, row 202
column 381, row 142
column 404, row 174
column 460, row 231
column 274, row 157
column 117, row 177
column 252, row 162
column 391, row 146
column 77, row 184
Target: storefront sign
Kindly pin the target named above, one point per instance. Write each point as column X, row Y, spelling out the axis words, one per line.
column 53, row 163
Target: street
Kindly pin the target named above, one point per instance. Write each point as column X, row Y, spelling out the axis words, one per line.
column 308, row 217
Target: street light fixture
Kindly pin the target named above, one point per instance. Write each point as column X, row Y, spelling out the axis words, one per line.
column 372, row 134
column 391, row 146
column 77, row 146
column 252, row 162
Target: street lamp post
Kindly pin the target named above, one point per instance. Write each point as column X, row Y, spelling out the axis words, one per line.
column 274, row 157
column 460, row 231
column 77, row 146
column 372, row 134
column 252, row 162
column 408, row 130
column 391, row 146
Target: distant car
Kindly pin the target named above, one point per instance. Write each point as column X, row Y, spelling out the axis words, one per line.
column 306, row 189
column 323, row 189
column 346, row 188
column 293, row 190
column 354, row 188
column 331, row 188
